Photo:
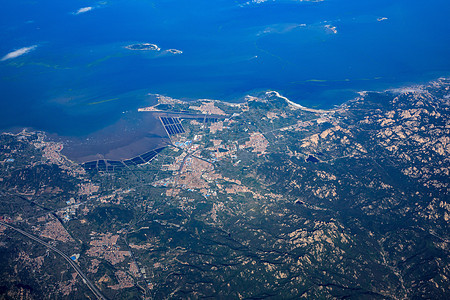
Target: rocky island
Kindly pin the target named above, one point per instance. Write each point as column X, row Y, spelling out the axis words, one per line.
column 174, row 51
column 143, row 47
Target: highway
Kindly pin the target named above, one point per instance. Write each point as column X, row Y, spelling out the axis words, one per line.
column 86, row 280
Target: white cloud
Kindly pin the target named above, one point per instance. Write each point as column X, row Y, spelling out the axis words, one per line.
column 18, row 52
column 83, row 10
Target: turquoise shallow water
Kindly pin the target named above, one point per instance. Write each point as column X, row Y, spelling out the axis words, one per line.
column 80, row 78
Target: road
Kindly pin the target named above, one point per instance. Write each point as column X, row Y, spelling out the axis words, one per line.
column 86, row 280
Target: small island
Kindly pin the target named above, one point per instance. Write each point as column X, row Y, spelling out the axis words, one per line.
column 174, row 51
column 143, row 47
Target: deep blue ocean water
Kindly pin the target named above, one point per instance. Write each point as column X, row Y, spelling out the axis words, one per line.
column 80, row 77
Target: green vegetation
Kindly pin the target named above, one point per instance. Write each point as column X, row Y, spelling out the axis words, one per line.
column 235, row 208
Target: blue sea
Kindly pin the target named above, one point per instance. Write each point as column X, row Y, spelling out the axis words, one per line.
column 76, row 77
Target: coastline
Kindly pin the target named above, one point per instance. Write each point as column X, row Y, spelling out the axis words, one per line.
column 162, row 99
column 403, row 89
column 298, row 106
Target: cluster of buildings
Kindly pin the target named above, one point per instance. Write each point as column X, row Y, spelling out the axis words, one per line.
column 105, row 246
